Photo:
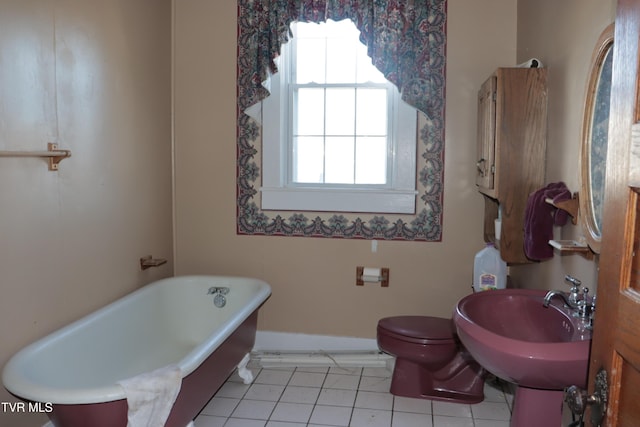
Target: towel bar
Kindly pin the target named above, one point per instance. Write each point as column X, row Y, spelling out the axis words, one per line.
column 570, row 206
column 53, row 155
column 148, row 262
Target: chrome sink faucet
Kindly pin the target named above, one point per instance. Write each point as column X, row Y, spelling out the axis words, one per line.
column 582, row 306
column 574, row 292
column 573, row 299
column 549, row 296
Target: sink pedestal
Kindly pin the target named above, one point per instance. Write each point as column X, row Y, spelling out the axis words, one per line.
column 534, row 408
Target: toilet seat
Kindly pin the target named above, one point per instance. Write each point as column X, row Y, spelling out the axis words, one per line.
column 418, row 329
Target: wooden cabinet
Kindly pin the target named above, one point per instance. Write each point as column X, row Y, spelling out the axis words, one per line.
column 511, row 150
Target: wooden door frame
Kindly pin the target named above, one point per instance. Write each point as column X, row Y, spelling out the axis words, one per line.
column 619, row 212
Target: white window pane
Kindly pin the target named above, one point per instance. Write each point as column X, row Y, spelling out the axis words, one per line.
column 340, row 111
column 339, row 160
column 308, row 160
column 371, row 160
column 371, row 115
column 367, row 72
column 310, row 112
column 310, row 61
column 341, row 61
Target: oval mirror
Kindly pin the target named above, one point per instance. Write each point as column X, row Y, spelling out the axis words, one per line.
column 595, row 131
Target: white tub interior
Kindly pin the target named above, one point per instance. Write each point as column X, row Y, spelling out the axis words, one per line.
column 169, row 321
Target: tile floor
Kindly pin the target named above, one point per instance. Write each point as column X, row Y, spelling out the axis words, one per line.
column 355, row 397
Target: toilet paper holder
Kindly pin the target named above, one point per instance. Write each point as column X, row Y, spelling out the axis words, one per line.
column 372, row 275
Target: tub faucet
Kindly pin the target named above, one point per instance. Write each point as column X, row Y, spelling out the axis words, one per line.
column 219, row 298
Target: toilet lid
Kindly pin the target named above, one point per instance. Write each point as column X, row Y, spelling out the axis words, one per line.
column 422, row 327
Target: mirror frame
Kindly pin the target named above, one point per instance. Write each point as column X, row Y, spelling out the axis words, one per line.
column 590, row 227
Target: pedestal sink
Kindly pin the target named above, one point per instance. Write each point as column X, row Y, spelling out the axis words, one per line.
column 542, row 350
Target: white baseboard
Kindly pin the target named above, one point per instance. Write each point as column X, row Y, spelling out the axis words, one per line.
column 273, row 349
column 269, row 341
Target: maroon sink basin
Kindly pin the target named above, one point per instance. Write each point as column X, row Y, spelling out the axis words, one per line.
column 511, row 334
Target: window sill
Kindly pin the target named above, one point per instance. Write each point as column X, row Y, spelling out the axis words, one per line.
column 339, row 200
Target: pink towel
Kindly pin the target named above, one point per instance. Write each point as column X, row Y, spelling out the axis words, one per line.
column 540, row 217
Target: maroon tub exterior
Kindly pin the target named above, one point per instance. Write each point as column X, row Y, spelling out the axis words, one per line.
column 196, row 390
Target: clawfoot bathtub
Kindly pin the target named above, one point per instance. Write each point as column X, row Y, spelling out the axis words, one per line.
column 75, row 371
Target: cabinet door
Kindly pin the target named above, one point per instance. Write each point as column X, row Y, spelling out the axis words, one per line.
column 486, row 142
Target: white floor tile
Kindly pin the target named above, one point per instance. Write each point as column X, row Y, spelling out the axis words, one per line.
column 337, row 397
column 233, row 389
column 345, row 382
column 321, row 397
column 377, row 372
column 292, row 412
column 307, row 379
column 242, row 422
column 265, row 392
column 285, row 424
column 254, row 409
column 370, row 418
column 406, row 419
column 220, row 406
column 296, row 394
column 443, row 421
column 209, row 421
column 375, row 384
column 274, row 376
column 374, row 400
column 331, row 415
column 491, row 411
column 408, row 404
column 451, row 409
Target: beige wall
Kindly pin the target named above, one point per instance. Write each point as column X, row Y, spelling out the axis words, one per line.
column 563, row 35
column 313, row 279
column 94, row 76
column 426, row 278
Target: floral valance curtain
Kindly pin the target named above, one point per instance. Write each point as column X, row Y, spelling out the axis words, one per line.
column 404, row 39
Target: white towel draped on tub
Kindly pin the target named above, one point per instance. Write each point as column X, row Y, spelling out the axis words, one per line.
column 150, row 396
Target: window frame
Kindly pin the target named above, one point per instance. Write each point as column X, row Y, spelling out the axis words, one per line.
column 279, row 192
column 252, row 75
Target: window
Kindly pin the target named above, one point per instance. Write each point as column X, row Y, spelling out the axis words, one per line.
column 406, row 37
column 336, row 136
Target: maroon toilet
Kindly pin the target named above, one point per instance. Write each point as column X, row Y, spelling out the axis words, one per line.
column 430, row 362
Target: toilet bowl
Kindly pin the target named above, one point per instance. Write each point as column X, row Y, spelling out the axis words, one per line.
column 430, row 363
